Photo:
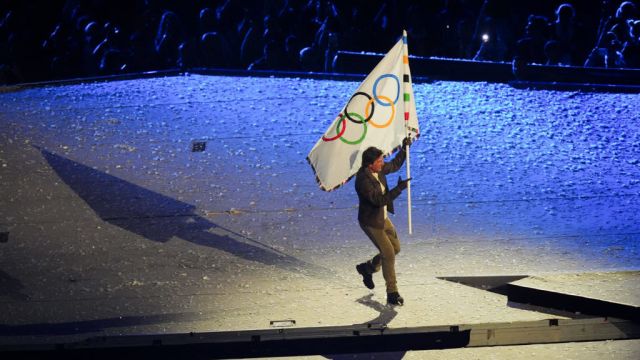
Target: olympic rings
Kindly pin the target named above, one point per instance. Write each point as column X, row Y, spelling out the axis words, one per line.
column 393, row 112
column 341, row 125
column 375, row 86
column 364, row 132
column 346, row 110
column 342, row 118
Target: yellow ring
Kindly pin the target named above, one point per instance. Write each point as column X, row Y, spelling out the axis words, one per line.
column 393, row 112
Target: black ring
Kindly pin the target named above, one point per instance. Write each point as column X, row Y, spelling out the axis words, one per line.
column 346, row 108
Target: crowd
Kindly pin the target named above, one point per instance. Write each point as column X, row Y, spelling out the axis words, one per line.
column 44, row 40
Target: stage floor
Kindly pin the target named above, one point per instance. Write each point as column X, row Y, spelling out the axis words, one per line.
column 112, row 225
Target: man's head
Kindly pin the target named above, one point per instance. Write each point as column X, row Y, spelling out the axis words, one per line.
column 372, row 159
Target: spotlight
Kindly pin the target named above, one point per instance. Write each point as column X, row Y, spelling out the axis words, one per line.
column 485, row 37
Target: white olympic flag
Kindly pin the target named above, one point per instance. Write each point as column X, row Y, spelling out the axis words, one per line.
column 381, row 113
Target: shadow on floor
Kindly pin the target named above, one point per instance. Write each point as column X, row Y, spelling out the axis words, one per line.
column 387, row 314
column 11, row 287
column 159, row 218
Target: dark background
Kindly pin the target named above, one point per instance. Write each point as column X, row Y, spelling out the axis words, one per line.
column 44, row 40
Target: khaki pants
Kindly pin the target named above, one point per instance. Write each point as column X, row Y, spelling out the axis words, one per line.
column 387, row 242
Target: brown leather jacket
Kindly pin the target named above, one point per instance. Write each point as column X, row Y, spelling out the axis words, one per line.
column 372, row 199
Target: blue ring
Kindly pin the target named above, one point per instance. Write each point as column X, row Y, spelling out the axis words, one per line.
column 375, row 85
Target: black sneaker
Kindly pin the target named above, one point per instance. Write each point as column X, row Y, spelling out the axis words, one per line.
column 367, row 279
column 394, row 299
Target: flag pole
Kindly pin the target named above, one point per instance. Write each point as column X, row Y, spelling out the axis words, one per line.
column 405, row 53
column 409, row 192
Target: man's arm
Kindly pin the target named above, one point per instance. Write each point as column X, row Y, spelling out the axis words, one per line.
column 395, row 164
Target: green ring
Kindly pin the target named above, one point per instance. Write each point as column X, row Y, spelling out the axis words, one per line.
column 364, row 133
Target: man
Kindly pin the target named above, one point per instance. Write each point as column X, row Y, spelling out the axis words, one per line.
column 376, row 200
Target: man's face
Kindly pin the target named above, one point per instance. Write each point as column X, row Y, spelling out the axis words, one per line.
column 376, row 166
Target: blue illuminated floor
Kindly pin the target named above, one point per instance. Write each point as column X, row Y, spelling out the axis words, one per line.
column 115, row 226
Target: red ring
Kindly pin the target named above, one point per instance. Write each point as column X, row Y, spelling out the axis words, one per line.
column 344, row 128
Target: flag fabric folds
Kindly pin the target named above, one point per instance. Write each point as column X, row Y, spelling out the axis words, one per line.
column 380, row 113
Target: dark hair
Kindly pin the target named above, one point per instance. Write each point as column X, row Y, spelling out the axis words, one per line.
column 370, row 155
